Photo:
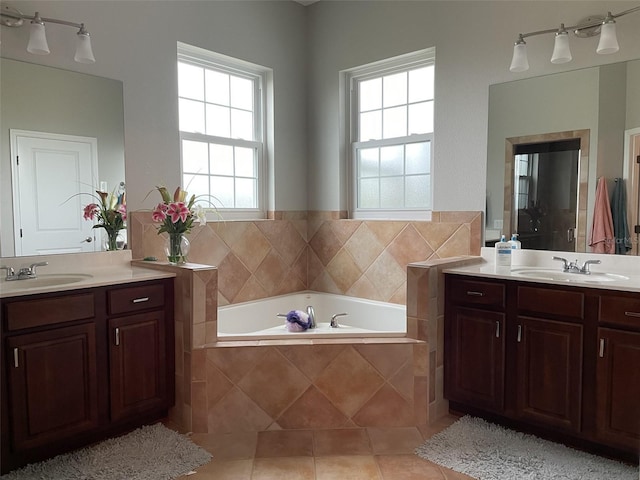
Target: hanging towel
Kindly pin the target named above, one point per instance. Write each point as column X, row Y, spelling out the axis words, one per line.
column 602, row 239
column 619, row 216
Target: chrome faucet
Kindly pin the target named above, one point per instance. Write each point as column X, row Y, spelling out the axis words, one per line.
column 312, row 316
column 25, row 273
column 334, row 319
column 574, row 267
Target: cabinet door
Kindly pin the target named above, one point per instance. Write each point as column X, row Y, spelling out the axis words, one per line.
column 618, row 388
column 549, row 372
column 52, row 385
column 137, row 364
column 475, row 358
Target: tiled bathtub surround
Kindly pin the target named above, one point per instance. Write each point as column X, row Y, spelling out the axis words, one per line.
column 280, row 384
column 318, row 384
column 425, row 322
column 318, row 251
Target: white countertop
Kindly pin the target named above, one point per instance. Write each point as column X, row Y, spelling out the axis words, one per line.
column 93, row 270
column 538, row 259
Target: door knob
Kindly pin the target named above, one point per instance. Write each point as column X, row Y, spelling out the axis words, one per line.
column 88, row 240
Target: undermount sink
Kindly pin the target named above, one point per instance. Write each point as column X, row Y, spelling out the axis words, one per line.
column 47, row 280
column 560, row 276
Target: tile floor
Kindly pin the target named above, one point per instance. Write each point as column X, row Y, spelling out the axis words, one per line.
column 339, row 454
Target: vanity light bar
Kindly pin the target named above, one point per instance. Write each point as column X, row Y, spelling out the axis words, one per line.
column 12, row 17
column 605, row 26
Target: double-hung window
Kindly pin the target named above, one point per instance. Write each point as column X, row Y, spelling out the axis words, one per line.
column 390, row 133
column 221, row 123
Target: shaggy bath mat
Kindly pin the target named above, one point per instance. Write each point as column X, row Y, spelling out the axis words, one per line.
column 489, row 452
column 151, row 452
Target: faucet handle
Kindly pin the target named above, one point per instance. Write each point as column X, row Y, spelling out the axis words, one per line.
column 33, row 266
column 334, row 319
column 585, row 266
column 10, row 271
column 565, row 263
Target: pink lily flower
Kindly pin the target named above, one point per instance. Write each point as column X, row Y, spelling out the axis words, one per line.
column 90, row 211
column 122, row 210
column 159, row 213
column 178, row 211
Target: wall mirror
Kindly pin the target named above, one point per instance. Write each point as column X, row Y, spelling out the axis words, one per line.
column 48, row 109
column 552, row 208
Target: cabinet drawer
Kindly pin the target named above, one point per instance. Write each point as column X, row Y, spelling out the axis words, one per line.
column 562, row 303
column 477, row 292
column 48, row 311
column 135, row 298
column 623, row 311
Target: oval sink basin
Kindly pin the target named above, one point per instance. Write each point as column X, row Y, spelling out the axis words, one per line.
column 47, row 280
column 559, row 276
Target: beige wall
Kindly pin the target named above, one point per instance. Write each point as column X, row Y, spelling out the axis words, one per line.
column 135, row 41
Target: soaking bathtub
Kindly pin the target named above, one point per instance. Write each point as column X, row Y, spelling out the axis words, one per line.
column 258, row 320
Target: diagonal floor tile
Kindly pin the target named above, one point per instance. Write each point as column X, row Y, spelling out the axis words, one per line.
column 394, row 440
column 351, row 467
column 285, row 443
column 344, row 441
column 408, row 467
column 289, row 468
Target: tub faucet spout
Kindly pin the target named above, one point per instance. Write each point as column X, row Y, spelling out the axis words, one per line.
column 312, row 317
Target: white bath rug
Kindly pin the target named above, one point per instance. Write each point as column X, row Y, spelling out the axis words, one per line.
column 150, row 452
column 486, row 451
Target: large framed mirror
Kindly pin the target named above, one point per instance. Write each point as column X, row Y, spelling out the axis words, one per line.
column 591, row 105
column 72, row 124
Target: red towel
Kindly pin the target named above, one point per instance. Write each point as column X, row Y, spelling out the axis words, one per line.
column 602, row 238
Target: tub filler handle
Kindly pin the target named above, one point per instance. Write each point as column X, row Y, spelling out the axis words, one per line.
column 334, row 319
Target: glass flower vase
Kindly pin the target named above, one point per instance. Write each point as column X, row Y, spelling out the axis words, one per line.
column 111, row 242
column 176, row 248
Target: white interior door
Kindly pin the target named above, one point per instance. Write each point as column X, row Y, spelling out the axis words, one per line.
column 48, row 172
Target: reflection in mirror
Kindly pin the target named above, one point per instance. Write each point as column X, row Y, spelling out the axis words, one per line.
column 545, row 200
column 594, row 104
column 68, row 128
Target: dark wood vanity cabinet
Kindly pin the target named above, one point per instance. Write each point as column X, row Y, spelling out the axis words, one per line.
column 475, row 330
column 83, row 365
column 618, row 371
column 140, row 385
column 52, row 385
column 555, row 360
column 548, row 359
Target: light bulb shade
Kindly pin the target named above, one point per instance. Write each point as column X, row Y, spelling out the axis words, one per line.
column 84, row 53
column 608, row 39
column 37, row 40
column 561, row 50
column 519, row 62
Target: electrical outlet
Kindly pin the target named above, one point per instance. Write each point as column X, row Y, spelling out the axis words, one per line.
column 497, row 224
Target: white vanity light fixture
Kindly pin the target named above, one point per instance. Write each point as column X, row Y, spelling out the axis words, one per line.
column 12, row 17
column 37, row 37
column 605, row 26
column 608, row 38
column 561, row 49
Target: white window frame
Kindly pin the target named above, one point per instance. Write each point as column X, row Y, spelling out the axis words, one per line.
column 349, row 83
column 261, row 77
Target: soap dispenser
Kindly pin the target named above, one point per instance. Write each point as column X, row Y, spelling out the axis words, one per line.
column 503, row 252
column 514, row 242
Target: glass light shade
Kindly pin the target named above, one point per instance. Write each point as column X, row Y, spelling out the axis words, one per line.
column 519, row 62
column 37, row 40
column 561, row 50
column 84, row 53
column 608, row 39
